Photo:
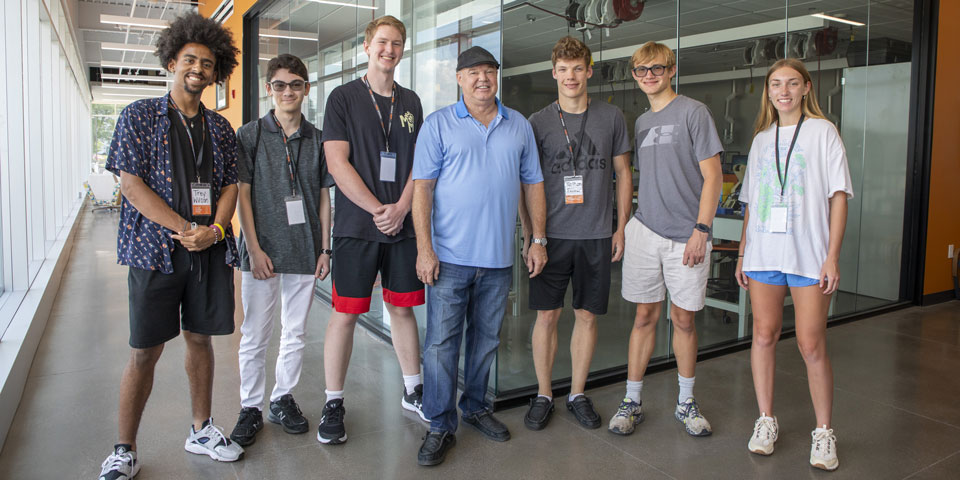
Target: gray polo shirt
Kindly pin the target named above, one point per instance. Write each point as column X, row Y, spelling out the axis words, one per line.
column 292, row 248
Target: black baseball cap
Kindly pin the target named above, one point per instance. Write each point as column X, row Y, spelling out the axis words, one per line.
column 474, row 56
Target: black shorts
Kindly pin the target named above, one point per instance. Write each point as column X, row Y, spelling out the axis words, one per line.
column 196, row 297
column 587, row 262
column 355, row 266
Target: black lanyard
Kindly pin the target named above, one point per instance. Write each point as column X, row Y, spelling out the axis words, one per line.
column 291, row 167
column 393, row 97
column 783, row 176
column 583, row 128
column 203, row 126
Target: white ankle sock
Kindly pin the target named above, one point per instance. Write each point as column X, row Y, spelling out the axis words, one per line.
column 334, row 394
column 686, row 388
column 548, row 398
column 634, row 389
column 573, row 396
column 410, row 382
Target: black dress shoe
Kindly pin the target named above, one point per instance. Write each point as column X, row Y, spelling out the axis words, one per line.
column 582, row 408
column 539, row 413
column 434, row 448
column 488, row 425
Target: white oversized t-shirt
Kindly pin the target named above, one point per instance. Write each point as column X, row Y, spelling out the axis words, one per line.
column 818, row 169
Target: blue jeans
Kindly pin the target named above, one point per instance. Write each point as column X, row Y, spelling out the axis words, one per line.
column 477, row 296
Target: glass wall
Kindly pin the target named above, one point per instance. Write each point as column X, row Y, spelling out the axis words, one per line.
column 859, row 59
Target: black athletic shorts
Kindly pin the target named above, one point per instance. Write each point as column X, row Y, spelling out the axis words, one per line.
column 355, row 264
column 196, row 297
column 587, row 262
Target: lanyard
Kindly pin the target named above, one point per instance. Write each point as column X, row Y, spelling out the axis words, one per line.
column 203, row 122
column 393, row 97
column 583, row 127
column 286, row 148
column 783, row 176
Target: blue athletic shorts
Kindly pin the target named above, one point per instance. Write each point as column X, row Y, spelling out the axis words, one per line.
column 774, row 277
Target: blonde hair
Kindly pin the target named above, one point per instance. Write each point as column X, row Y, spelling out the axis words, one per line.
column 768, row 113
column 388, row 20
column 651, row 50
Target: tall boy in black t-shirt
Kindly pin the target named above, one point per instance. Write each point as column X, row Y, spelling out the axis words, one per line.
column 369, row 131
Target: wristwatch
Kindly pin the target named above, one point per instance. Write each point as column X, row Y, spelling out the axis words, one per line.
column 703, row 228
column 540, row 241
column 326, row 251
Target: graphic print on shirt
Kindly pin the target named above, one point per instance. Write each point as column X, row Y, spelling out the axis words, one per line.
column 589, row 158
column 659, row 135
column 769, row 187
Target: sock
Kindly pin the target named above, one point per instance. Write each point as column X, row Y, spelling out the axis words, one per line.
column 634, row 389
column 410, row 382
column 125, row 446
column 686, row 388
column 573, row 396
column 544, row 396
column 334, row 394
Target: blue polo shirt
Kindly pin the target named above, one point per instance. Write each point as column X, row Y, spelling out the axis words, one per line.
column 478, row 171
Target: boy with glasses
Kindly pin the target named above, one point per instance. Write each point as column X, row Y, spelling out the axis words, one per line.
column 668, row 240
column 284, row 206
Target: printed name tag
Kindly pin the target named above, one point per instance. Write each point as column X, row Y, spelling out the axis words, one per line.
column 388, row 167
column 778, row 219
column 201, row 199
column 295, row 214
column 573, row 189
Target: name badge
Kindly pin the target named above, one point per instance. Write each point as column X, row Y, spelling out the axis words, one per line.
column 388, row 167
column 778, row 219
column 201, row 199
column 295, row 214
column 573, row 189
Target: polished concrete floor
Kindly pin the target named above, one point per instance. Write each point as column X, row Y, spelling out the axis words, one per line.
column 895, row 411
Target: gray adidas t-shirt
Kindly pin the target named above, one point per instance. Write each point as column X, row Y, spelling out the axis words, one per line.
column 605, row 137
column 292, row 248
column 670, row 144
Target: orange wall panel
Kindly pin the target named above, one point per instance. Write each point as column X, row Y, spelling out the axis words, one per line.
column 943, row 228
column 234, row 110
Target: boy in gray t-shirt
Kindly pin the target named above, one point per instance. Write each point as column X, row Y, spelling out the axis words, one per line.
column 284, row 210
column 580, row 143
column 668, row 240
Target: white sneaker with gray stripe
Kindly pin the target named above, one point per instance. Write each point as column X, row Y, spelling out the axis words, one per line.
column 211, row 441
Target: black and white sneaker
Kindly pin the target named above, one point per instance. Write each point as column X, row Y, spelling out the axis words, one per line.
column 331, row 430
column 248, row 424
column 286, row 412
column 122, row 464
column 414, row 401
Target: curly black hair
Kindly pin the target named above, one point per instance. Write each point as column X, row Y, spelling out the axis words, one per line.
column 194, row 28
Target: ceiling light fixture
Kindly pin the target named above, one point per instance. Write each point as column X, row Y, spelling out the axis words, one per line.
column 149, row 23
column 136, row 78
column 129, row 47
column 130, row 87
column 837, row 19
column 345, row 4
column 132, row 66
column 291, row 35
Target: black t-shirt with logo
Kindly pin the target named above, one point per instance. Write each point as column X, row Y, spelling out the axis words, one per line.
column 350, row 116
column 183, row 164
column 605, row 137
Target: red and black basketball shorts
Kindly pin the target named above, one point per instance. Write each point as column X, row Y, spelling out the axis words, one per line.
column 355, row 266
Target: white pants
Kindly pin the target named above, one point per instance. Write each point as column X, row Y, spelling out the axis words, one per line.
column 259, row 299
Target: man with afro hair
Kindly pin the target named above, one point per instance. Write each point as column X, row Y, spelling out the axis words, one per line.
column 177, row 163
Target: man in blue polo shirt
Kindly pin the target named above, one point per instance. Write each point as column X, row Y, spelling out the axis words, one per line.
column 470, row 162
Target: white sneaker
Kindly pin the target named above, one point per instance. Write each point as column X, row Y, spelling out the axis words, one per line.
column 688, row 413
column 122, row 464
column 211, row 441
column 823, row 450
column 765, row 433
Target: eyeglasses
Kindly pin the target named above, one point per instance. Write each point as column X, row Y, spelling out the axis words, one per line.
column 279, row 86
column 656, row 70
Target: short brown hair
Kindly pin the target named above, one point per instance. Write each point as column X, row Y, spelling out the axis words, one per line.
column 569, row 48
column 290, row 62
column 388, row 20
column 651, row 50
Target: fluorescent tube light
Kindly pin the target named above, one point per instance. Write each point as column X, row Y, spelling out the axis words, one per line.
column 132, row 66
column 289, row 35
column 837, row 19
column 136, row 78
column 129, row 47
column 135, row 88
column 149, row 23
column 345, row 4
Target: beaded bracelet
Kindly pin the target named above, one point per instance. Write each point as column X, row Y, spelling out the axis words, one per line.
column 217, row 229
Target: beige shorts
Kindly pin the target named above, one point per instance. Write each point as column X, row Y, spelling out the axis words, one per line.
column 653, row 265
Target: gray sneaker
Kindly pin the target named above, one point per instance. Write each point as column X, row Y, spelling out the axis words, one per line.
column 688, row 413
column 122, row 464
column 628, row 416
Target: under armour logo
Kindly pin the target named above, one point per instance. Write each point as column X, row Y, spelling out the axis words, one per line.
column 661, row 135
column 406, row 120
